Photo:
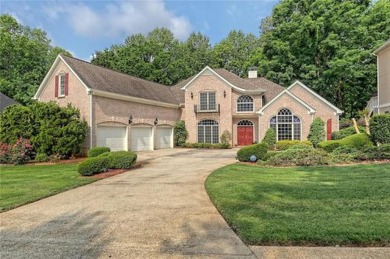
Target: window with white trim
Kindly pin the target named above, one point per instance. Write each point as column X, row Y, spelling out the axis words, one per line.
column 61, row 85
column 245, row 104
column 207, row 101
column 286, row 125
column 208, row 131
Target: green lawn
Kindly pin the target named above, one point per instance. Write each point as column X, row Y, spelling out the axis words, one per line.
column 347, row 206
column 23, row 184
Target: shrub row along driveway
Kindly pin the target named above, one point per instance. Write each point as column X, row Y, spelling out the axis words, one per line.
column 159, row 210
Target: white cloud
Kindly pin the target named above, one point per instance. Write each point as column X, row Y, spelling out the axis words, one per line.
column 120, row 18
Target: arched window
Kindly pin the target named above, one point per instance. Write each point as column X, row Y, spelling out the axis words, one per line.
column 208, row 131
column 245, row 123
column 286, row 125
column 245, row 104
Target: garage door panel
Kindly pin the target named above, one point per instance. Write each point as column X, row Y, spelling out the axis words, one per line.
column 164, row 137
column 141, row 138
column 112, row 137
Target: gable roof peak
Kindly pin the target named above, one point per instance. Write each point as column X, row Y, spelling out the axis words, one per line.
column 297, row 82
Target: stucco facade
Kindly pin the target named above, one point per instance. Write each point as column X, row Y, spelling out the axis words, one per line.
column 219, row 88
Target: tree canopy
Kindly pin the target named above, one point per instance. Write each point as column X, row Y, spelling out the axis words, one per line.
column 26, row 56
column 328, row 45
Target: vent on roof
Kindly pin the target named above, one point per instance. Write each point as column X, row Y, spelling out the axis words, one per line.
column 252, row 72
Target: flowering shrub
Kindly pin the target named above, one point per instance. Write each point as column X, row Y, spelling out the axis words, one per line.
column 17, row 154
column 4, row 153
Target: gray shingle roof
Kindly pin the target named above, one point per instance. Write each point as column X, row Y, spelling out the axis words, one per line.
column 236, row 80
column 271, row 89
column 176, row 89
column 103, row 79
column 6, row 101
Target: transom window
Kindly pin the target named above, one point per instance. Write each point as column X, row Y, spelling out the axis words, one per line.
column 245, row 104
column 207, row 101
column 208, row 131
column 61, row 85
column 245, row 123
column 286, row 125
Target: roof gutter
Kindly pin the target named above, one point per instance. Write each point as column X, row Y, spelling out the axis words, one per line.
column 134, row 99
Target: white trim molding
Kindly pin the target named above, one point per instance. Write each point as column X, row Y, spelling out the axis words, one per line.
column 297, row 82
column 310, row 109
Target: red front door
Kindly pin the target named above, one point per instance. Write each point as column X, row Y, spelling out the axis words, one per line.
column 245, row 135
column 329, row 129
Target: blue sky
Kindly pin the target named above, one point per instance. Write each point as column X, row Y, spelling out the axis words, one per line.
column 82, row 27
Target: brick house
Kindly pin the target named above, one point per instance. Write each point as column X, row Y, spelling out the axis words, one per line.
column 129, row 113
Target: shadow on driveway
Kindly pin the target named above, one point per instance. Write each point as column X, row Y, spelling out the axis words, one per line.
column 73, row 235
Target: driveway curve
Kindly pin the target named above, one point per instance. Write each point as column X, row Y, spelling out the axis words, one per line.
column 159, row 210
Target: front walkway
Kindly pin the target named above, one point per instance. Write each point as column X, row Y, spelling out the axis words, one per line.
column 158, row 210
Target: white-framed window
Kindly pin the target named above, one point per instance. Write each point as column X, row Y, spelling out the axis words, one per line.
column 208, row 131
column 207, row 101
column 61, row 85
column 245, row 104
column 286, row 125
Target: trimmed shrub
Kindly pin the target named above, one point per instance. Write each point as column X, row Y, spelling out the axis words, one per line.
column 317, row 131
column 380, row 128
column 329, row 145
column 121, row 159
column 258, row 150
column 270, row 137
column 358, row 141
column 375, row 153
column 285, row 144
column 180, row 133
column 207, row 145
column 105, row 154
column 96, row 151
column 299, row 157
column 269, row 155
column 41, row 157
column 93, row 165
column 343, row 154
column 346, row 132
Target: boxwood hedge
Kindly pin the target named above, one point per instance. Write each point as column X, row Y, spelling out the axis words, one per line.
column 258, row 150
column 120, row 159
column 96, row 151
column 93, row 165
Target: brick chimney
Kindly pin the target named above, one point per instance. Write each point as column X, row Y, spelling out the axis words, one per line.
column 252, row 72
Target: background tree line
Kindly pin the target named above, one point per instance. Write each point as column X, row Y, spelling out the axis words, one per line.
column 327, row 44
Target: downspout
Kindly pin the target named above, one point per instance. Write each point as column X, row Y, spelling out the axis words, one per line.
column 90, row 118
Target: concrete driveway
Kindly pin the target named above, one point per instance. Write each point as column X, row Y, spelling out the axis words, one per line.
column 159, row 210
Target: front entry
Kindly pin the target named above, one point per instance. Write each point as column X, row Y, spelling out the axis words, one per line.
column 245, row 133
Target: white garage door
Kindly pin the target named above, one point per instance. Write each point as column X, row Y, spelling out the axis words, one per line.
column 112, row 137
column 164, row 137
column 141, row 138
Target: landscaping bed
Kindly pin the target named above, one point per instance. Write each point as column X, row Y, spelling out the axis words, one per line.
column 311, row 206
